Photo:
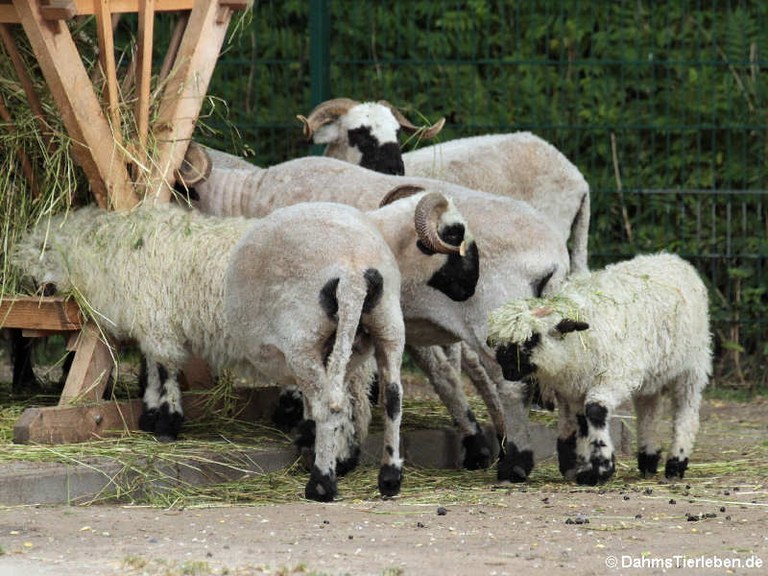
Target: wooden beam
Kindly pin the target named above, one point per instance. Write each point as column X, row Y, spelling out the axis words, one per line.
column 67, row 424
column 90, row 370
column 144, row 68
column 106, row 41
column 40, row 314
column 104, row 164
column 184, row 93
column 63, row 9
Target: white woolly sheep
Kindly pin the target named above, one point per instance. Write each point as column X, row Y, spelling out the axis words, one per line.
column 520, row 165
column 643, row 332
column 522, row 256
column 301, row 297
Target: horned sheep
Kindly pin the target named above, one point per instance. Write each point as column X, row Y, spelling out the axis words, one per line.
column 520, row 165
column 521, row 256
column 301, row 297
column 638, row 330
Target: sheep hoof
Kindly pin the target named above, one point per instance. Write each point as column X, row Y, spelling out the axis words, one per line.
column 516, row 465
column 289, row 411
column 305, row 443
column 348, row 464
column 477, row 452
column 675, row 468
column 599, row 471
column 390, row 479
column 321, row 487
column 648, row 464
column 148, row 419
column 566, row 456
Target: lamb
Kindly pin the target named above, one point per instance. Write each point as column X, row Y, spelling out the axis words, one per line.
column 643, row 333
column 522, row 256
column 520, row 165
column 301, row 297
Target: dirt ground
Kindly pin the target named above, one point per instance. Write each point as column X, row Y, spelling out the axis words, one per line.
column 713, row 522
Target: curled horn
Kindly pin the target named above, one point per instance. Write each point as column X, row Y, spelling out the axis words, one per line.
column 425, row 132
column 402, row 191
column 196, row 166
column 428, row 212
column 324, row 113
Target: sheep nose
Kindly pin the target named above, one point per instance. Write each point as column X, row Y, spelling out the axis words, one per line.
column 335, row 408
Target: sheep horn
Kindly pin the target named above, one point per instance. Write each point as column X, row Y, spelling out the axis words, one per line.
column 324, row 113
column 402, row 191
column 196, row 166
column 428, row 212
column 425, row 132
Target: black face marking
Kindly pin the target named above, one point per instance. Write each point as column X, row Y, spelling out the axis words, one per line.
column 538, row 285
column 393, row 400
column 566, row 325
column 389, row 450
column 516, row 465
column 328, row 301
column 457, row 278
column 385, row 158
column 583, row 427
column 596, row 414
column 374, row 291
column 515, row 361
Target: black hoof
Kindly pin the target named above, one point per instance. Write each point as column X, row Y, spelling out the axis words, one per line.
column 168, row 425
column 321, row 487
column 390, row 479
column 600, row 471
column 346, row 466
column 675, row 468
column 516, row 465
column 477, row 452
column 148, row 419
column 648, row 464
column 289, row 411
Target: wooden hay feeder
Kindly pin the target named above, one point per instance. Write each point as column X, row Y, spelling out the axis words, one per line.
column 92, row 124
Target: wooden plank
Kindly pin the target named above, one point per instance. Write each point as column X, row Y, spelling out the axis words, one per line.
column 105, row 166
column 69, row 424
column 184, row 92
column 10, row 15
column 144, row 68
column 108, row 67
column 90, row 370
column 40, row 314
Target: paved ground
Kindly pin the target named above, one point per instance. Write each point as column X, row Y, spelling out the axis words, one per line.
column 716, row 521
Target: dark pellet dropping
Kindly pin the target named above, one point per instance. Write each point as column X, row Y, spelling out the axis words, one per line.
column 569, row 521
column 442, row 511
column 419, row 525
column 326, row 521
column 638, row 516
column 648, row 491
column 722, row 508
column 728, row 517
column 350, row 537
column 726, row 492
column 626, row 496
column 692, row 518
column 672, row 501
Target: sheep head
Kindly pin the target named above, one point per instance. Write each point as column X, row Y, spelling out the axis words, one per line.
column 365, row 134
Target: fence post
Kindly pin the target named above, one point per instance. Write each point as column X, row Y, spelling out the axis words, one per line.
column 319, row 56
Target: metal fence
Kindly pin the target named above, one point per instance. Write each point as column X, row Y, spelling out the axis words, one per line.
column 663, row 106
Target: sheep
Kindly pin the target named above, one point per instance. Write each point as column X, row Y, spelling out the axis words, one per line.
column 643, row 333
column 301, row 297
column 520, row 165
column 363, row 133
column 522, row 256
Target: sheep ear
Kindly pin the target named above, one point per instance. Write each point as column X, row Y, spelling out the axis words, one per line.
column 326, row 133
column 567, row 325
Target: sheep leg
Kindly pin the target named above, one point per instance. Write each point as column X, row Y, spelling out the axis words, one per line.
column 486, row 388
column 516, row 463
column 391, row 471
column 450, row 388
column 595, row 461
column 647, row 410
column 686, row 401
column 162, row 412
column 566, row 437
column 327, row 417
